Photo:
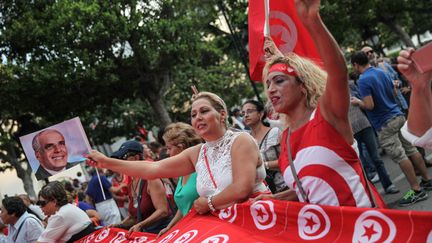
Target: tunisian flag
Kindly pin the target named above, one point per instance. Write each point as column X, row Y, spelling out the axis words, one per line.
column 286, row 30
column 273, row 221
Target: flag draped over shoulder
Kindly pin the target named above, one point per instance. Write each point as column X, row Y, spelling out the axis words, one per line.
column 286, row 30
column 283, row 221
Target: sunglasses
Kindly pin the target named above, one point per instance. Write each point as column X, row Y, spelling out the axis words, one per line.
column 41, row 203
column 370, row 52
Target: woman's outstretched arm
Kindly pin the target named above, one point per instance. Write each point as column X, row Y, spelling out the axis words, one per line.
column 179, row 165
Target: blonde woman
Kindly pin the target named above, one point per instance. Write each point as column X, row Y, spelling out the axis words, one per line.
column 228, row 164
column 319, row 138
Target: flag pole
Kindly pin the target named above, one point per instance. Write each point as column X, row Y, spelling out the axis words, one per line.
column 267, row 17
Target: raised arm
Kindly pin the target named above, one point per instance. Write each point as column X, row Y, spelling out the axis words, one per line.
column 179, row 165
column 420, row 111
column 244, row 158
column 335, row 101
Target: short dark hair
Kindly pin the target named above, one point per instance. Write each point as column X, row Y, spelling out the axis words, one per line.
column 54, row 191
column 360, row 58
column 14, row 205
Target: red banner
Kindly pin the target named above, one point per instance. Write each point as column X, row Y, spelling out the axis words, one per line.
column 286, row 30
column 276, row 221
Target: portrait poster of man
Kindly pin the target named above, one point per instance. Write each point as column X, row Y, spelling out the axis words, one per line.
column 55, row 149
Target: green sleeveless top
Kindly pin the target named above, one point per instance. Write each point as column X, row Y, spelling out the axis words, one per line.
column 184, row 196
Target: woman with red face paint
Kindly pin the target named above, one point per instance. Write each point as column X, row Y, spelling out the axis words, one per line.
column 228, row 165
column 318, row 140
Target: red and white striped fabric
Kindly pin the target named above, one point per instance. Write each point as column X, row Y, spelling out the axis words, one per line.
column 327, row 166
column 282, row 221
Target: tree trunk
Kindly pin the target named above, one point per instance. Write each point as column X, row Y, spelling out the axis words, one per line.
column 399, row 30
column 25, row 176
column 155, row 95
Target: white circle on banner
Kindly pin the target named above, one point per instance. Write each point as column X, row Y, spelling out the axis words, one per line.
column 120, row 237
column 102, row 235
column 169, row 237
column 313, row 222
column 229, row 214
column 186, row 237
column 89, row 238
column 374, row 226
column 140, row 239
column 263, row 214
column 221, row 238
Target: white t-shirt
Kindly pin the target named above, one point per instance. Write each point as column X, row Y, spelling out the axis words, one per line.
column 68, row 221
column 424, row 141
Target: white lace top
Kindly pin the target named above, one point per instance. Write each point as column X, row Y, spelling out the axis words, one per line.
column 219, row 159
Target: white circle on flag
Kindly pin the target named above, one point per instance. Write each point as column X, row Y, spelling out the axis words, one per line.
column 263, row 214
column 120, row 237
column 287, row 32
column 102, row 235
column 229, row 214
column 186, row 237
column 169, row 237
column 374, row 226
column 313, row 222
column 221, row 238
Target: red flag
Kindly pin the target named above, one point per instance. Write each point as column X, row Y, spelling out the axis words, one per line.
column 282, row 221
column 286, row 30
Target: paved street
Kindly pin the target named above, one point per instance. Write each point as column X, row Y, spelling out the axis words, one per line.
column 401, row 183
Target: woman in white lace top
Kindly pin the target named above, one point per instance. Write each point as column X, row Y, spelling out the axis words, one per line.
column 228, row 165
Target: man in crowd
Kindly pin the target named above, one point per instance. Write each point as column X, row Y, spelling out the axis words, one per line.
column 22, row 226
column 51, row 152
column 376, row 90
column 106, row 206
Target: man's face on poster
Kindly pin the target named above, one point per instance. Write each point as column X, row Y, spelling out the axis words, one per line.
column 52, row 153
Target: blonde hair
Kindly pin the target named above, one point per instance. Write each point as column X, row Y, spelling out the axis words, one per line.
column 309, row 74
column 181, row 133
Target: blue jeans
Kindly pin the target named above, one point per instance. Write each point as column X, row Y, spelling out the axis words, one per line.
column 367, row 137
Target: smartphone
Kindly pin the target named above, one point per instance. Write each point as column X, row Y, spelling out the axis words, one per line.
column 423, row 58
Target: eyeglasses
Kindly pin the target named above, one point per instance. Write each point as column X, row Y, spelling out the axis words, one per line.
column 370, row 52
column 41, row 203
column 248, row 111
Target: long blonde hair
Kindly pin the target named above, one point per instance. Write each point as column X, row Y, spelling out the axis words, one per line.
column 309, row 74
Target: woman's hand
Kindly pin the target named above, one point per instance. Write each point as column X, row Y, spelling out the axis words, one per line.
column 201, row 205
column 270, row 48
column 307, row 10
column 163, row 231
column 136, row 228
column 263, row 197
column 96, row 159
column 409, row 70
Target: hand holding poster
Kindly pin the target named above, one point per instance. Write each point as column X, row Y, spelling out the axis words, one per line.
column 56, row 148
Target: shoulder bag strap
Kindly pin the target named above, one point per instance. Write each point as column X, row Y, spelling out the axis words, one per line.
column 293, row 170
column 141, row 187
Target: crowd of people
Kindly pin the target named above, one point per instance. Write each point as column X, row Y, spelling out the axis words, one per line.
column 324, row 149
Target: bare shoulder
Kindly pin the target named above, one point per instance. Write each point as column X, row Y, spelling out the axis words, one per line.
column 193, row 152
column 244, row 141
